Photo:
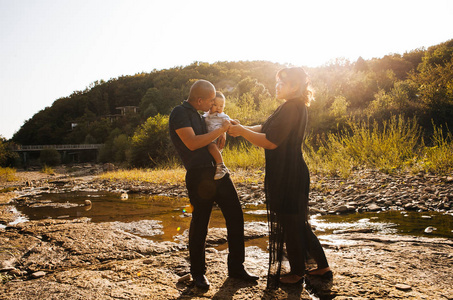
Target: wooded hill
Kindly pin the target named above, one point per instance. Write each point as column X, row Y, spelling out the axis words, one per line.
column 418, row 83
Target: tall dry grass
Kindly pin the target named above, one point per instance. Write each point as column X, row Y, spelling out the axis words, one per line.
column 437, row 158
column 158, row 176
column 395, row 145
column 243, row 156
column 7, row 174
column 387, row 147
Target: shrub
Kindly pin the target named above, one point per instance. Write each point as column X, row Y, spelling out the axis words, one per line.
column 244, row 156
column 7, row 174
column 387, row 147
column 439, row 157
column 8, row 158
column 151, row 143
column 47, row 170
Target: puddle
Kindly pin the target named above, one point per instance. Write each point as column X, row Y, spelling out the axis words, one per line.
column 429, row 224
column 164, row 218
column 156, row 217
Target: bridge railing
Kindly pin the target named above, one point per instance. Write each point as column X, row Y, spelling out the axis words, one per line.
column 56, row 147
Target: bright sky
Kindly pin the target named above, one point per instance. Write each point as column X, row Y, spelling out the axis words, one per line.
column 50, row 48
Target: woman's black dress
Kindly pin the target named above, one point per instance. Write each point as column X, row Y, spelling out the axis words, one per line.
column 287, row 183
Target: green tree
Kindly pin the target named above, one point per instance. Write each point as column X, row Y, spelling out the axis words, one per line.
column 435, row 92
column 121, row 146
column 361, row 65
column 339, row 107
column 438, row 55
column 151, row 143
column 256, row 90
column 8, row 158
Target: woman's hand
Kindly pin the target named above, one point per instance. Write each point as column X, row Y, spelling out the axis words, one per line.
column 235, row 130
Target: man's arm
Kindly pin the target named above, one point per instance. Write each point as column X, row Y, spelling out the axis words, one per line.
column 194, row 142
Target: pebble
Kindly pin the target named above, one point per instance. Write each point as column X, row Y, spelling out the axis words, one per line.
column 185, row 277
column 341, row 209
column 403, row 287
column 374, row 207
column 38, row 274
column 430, row 229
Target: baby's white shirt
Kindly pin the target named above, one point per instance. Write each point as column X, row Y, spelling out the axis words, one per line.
column 215, row 120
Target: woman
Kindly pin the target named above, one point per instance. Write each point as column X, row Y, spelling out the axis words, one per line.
column 287, row 180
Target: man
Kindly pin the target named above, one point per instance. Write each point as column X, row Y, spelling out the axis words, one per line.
column 190, row 138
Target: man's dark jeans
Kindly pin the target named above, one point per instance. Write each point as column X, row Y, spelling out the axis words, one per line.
column 203, row 192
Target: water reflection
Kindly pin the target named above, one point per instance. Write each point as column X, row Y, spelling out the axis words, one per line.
column 164, row 218
column 390, row 222
column 335, row 225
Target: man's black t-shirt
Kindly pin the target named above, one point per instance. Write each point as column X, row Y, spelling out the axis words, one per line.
column 185, row 115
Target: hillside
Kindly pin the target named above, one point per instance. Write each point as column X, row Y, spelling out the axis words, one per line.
column 416, row 84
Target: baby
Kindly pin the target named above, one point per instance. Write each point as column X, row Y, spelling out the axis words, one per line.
column 214, row 119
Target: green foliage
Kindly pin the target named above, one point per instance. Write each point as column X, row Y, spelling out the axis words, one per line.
column 244, row 156
column 121, row 145
column 7, row 157
column 417, row 84
column 253, row 90
column 7, row 174
column 49, row 157
column 390, row 147
column 151, row 143
column 439, row 55
column 339, row 107
column 160, row 101
column 438, row 158
column 245, row 110
column 435, row 91
column 47, row 170
column 387, row 147
column 116, row 148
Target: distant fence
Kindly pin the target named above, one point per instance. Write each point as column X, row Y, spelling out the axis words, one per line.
column 19, row 148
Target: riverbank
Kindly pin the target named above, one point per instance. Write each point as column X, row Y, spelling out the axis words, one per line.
column 78, row 259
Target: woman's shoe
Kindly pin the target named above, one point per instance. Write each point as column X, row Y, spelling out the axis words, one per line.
column 291, row 279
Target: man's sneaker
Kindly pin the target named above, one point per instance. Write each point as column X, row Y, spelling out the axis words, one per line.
column 220, row 171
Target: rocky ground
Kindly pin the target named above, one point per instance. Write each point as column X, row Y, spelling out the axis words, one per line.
column 78, row 259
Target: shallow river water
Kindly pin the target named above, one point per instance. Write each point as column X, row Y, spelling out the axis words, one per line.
column 172, row 215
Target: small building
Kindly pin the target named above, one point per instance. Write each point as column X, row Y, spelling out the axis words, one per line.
column 127, row 109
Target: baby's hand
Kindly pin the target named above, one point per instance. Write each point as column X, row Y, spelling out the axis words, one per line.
column 221, row 141
column 226, row 124
column 235, row 122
